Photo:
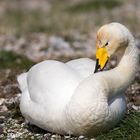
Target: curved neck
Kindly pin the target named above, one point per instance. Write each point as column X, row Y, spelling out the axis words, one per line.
column 123, row 75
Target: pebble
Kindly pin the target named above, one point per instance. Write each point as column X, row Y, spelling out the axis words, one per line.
column 135, row 107
column 11, row 136
column 32, row 137
column 66, row 137
column 2, row 118
column 58, row 43
column 47, row 136
column 1, row 130
column 2, row 101
column 53, row 137
column 3, row 110
column 2, row 135
column 81, row 137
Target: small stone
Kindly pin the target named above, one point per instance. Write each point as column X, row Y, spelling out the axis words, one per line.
column 47, row 136
column 2, row 136
column 32, row 137
column 67, row 137
column 11, row 136
column 37, row 134
column 3, row 110
column 58, row 43
column 1, row 130
column 81, row 137
column 2, row 101
column 135, row 107
column 2, row 119
column 53, row 137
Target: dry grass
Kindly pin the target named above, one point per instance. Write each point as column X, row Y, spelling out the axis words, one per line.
column 65, row 17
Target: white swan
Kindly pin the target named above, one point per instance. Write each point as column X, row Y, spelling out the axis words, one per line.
column 69, row 98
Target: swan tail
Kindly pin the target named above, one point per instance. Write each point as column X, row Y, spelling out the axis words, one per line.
column 32, row 111
column 22, row 80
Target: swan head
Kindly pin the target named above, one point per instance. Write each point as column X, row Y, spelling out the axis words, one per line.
column 110, row 38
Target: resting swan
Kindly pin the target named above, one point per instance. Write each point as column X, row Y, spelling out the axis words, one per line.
column 69, row 98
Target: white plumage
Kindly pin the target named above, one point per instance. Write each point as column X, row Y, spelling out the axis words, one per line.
column 68, row 98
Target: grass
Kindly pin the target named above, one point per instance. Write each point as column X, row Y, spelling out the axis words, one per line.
column 65, row 18
column 62, row 18
column 94, row 5
column 129, row 129
column 22, row 22
column 11, row 60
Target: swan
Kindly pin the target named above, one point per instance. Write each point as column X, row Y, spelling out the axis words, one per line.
column 73, row 98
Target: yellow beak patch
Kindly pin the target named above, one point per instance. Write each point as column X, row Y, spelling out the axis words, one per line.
column 102, row 56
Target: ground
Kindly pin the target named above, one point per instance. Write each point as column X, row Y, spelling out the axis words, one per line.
column 63, row 30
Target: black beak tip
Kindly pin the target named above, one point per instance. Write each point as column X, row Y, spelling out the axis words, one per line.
column 97, row 66
column 96, row 70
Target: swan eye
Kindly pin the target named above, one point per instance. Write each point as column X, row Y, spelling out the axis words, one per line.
column 106, row 44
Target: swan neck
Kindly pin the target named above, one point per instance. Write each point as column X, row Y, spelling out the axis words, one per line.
column 129, row 62
column 126, row 69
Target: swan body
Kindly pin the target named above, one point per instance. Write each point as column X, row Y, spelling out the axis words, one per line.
column 68, row 98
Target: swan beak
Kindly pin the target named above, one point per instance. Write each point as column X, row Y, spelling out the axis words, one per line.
column 101, row 59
